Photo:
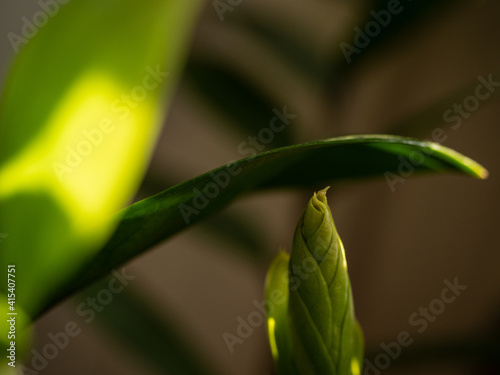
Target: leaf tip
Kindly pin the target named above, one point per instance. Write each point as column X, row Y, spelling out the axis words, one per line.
column 322, row 193
column 483, row 173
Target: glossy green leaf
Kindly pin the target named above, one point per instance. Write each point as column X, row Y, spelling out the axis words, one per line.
column 231, row 226
column 79, row 116
column 325, row 334
column 148, row 222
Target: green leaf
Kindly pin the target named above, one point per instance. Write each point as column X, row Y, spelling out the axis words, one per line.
column 78, row 129
column 148, row 222
column 278, row 329
column 322, row 321
column 358, row 353
column 231, row 226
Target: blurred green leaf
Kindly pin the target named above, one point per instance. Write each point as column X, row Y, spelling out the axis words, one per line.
column 406, row 16
column 237, row 230
column 437, row 115
column 235, row 97
column 156, row 339
column 278, row 328
column 150, row 221
column 281, row 43
column 77, row 130
column 358, row 355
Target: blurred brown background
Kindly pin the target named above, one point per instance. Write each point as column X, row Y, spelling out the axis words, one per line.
column 400, row 245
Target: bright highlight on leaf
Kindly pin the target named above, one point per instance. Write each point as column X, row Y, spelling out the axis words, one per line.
column 81, row 146
column 355, row 367
column 77, row 132
column 271, row 327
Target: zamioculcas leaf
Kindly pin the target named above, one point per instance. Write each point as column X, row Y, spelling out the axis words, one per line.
column 79, row 116
column 326, row 338
column 150, row 221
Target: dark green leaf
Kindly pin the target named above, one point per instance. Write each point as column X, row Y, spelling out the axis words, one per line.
column 148, row 222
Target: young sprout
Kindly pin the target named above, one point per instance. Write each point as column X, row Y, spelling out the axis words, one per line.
column 325, row 338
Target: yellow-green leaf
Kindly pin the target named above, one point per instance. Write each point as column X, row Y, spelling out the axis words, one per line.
column 278, row 328
column 79, row 116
